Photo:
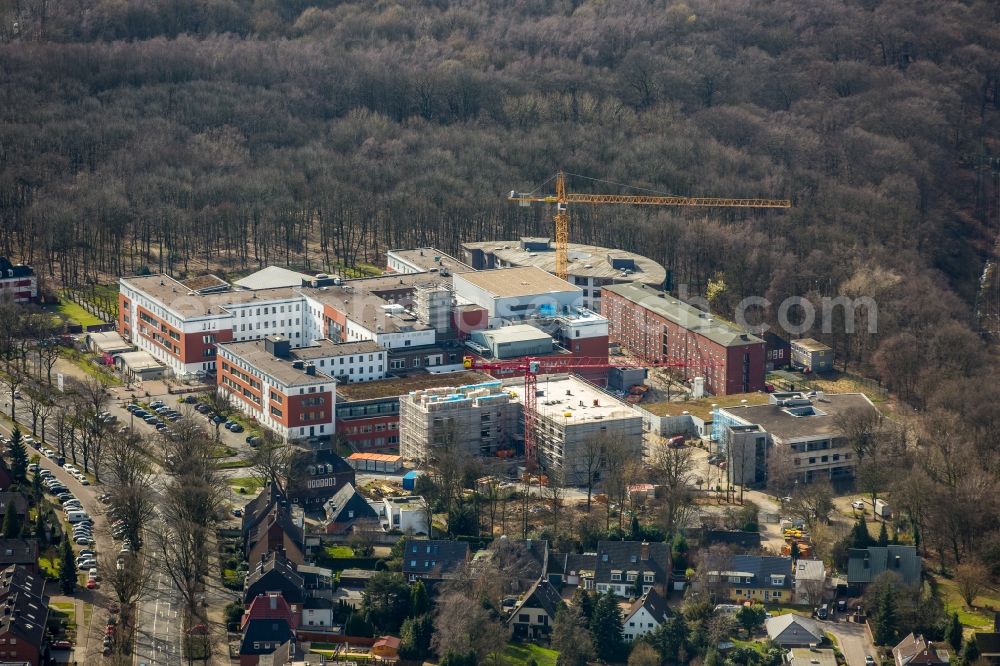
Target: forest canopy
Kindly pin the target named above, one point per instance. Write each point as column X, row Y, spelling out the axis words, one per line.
column 189, row 136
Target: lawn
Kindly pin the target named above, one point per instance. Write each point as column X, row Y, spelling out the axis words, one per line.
column 63, row 616
column 953, row 603
column 251, row 484
column 236, row 463
column 339, row 551
column 519, row 654
column 70, row 310
column 88, row 366
column 49, row 566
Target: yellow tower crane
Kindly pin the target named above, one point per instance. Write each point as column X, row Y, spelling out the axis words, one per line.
column 562, row 199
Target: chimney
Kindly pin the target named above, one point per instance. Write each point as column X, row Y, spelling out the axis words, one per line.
column 274, row 601
column 898, row 561
column 644, row 551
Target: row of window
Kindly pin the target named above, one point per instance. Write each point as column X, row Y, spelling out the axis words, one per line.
column 274, row 323
column 269, row 309
column 822, row 459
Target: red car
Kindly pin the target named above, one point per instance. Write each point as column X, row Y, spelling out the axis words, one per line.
column 91, row 584
column 62, row 645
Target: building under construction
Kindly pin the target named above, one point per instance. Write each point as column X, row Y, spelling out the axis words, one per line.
column 478, row 419
column 572, row 411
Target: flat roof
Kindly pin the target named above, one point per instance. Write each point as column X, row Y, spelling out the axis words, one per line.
column 182, row 300
column 363, row 300
column 379, row 457
column 254, row 353
column 811, row 657
column 140, row 360
column 326, row 348
column 684, row 315
column 561, row 394
column 385, row 388
column 702, row 407
column 584, row 260
column 272, row 277
column 810, row 345
column 780, row 421
column 521, row 281
column 515, row 333
column 428, row 258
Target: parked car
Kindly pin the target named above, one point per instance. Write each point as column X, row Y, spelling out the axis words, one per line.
column 61, row 645
column 858, row 504
column 236, row 427
column 92, row 584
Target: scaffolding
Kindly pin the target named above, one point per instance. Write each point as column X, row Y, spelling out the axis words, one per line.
column 477, row 419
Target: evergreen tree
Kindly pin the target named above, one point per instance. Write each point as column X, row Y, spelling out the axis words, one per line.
column 635, row 529
column 458, row 659
column 671, row 640
column 971, row 653
column 36, row 487
column 415, row 637
column 11, row 522
column 953, row 633
column 67, row 568
column 860, row 537
column 885, row 618
column 712, row 658
column 18, row 456
column 883, row 536
column 358, row 625
column 793, row 550
column 418, row 599
column 679, row 552
column 584, row 600
column 606, row 628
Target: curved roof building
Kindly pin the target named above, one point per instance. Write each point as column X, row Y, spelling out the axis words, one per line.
column 590, row 266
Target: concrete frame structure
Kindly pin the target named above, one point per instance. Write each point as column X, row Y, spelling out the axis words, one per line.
column 423, row 260
column 477, row 418
column 570, row 411
column 658, row 327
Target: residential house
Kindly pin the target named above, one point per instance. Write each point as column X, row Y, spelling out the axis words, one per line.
column 316, row 476
column 866, row 564
column 521, row 563
column 577, row 568
column 810, row 657
column 535, row 613
column 408, row 514
column 24, row 611
column 433, row 560
column 349, row 510
column 741, row 541
column 810, row 581
column 646, row 614
column 275, row 574
column 988, row 642
column 386, row 647
column 23, row 552
column 632, row 568
column 317, row 612
column 267, row 624
column 791, row 630
column 756, row 578
column 260, row 506
column 277, row 532
column 916, row 650
column 18, row 500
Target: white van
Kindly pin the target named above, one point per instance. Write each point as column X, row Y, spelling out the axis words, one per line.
column 77, row 516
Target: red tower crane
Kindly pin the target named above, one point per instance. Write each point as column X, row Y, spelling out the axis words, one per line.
column 531, row 367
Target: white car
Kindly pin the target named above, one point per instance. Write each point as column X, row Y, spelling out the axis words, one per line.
column 858, row 504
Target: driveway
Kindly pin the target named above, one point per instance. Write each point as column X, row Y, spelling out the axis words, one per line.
column 852, row 639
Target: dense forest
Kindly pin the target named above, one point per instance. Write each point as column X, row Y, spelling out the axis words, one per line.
column 227, row 134
column 184, row 136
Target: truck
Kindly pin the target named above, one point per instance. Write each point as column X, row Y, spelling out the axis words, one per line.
column 882, row 509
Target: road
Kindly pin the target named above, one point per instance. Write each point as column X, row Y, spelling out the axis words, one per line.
column 158, row 635
column 89, row 638
column 852, row 639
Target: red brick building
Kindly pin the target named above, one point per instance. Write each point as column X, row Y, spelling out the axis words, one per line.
column 658, row 327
